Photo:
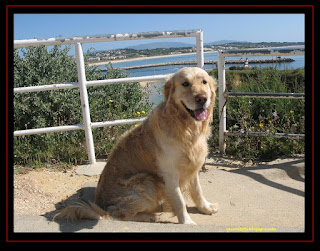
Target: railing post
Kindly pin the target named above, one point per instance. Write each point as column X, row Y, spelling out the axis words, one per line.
column 222, row 102
column 85, row 103
column 199, row 45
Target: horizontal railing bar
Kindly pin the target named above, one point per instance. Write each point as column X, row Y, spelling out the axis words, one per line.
column 39, row 88
column 105, row 38
column 264, row 95
column 263, row 52
column 116, row 122
column 277, row 135
column 48, row 129
column 76, row 127
column 122, row 80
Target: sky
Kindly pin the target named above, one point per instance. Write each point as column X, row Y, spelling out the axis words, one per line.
column 240, row 27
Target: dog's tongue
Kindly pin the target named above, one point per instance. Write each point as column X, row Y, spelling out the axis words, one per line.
column 201, row 114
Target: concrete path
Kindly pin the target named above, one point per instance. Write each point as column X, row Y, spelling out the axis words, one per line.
column 268, row 197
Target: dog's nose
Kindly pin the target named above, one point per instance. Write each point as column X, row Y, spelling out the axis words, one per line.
column 201, row 99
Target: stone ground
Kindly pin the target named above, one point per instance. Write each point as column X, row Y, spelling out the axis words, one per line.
column 264, row 197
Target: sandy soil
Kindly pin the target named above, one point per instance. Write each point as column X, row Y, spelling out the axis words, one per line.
column 45, row 190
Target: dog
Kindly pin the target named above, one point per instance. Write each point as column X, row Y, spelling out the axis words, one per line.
column 155, row 162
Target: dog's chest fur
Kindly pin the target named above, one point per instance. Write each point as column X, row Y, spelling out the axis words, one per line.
column 184, row 160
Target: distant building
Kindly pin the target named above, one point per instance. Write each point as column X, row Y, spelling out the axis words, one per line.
column 94, row 59
column 246, row 63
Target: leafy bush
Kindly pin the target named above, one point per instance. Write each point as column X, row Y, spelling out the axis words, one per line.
column 263, row 114
column 40, row 66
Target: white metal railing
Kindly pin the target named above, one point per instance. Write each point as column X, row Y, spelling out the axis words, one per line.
column 224, row 94
column 83, row 83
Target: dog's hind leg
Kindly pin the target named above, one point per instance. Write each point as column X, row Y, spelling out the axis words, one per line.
column 140, row 199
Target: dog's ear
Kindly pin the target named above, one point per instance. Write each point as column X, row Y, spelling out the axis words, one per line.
column 168, row 89
column 213, row 88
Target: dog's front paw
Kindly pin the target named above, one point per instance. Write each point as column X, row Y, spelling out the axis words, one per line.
column 186, row 219
column 210, row 208
column 189, row 222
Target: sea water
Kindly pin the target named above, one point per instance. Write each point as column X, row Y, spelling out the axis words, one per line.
column 297, row 63
column 154, row 89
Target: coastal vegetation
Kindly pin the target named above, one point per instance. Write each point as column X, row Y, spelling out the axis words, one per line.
column 133, row 53
column 39, row 66
column 126, row 53
column 263, row 114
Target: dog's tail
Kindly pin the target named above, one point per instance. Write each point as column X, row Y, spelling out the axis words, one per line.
column 82, row 210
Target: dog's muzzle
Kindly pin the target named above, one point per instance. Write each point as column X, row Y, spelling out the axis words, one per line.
column 199, row 114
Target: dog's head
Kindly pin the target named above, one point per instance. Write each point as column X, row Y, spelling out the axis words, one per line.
column 192, row 90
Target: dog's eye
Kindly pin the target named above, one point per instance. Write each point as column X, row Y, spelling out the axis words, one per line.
column 185, row 84
column 204, row 81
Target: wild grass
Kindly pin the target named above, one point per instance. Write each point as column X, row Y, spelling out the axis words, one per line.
column 38, row 66
column 263, row 114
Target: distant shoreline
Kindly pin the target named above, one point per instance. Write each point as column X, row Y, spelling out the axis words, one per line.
column 172, row 55
column 142, row 58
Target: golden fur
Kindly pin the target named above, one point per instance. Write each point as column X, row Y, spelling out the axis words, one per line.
column 152, row 163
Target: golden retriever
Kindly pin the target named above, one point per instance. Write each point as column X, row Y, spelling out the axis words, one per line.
column 157, row 160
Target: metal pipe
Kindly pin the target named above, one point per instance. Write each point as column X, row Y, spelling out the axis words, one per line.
column 222, row 102
column 48, row 129
column 277, row 135
column 199, row 45
column 104, row 38
column 40, row 88
column 264, row 95
column 116, row 122
column 124, row 80
column 85, row 103
column 76, row 127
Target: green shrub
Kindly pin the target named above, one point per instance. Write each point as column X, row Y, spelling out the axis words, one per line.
column 40, row 66
column 263, row 114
